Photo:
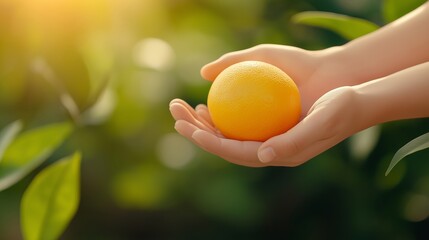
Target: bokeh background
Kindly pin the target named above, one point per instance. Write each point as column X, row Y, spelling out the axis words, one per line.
column 140, row 179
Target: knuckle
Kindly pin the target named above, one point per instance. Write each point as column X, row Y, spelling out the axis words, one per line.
column 261, row 49
column 290, row 148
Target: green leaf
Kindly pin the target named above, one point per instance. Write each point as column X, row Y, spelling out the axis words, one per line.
column 394, row 9
column 41, row 67
column 413, row 146
column 7, row 135
column 346, row 26
column 29, row 150
column 51, row 200
column 101, row 109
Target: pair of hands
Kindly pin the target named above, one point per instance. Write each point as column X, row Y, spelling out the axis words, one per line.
column 330, row 112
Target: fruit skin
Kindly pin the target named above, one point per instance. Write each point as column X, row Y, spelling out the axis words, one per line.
column 253, row 101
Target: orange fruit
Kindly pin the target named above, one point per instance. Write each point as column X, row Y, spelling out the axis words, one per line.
column 253, row 101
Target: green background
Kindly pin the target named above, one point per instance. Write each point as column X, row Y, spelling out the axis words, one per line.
column 140, row 179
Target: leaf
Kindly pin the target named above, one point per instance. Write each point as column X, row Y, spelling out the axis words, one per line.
column 99, row 60
column 7, row 136
column 51, row 200
column 101, row 110
column 413, row 146
column 394, row 9
column 29, row 150
column 41, row 67
column 346, row 26
column 362, row 143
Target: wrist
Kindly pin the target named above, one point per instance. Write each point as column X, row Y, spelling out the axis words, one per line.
column 402, row 95
column 334, row 66
column 371, row 106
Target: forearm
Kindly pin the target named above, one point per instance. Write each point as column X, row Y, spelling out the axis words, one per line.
column 396, row 46
column 402, row 95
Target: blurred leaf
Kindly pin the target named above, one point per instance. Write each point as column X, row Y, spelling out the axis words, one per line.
column 230, row 198
column 413, row 146
column 98, row 56
column 51, row 200
column 394, row 178
column 101, row 109
column 29, row 150
column 346, row 26
column 44, row 69
column 70, row 71
column 97, row 93
column 7, row 136
column 394, row 9
column 362, row 143
column 142, row 187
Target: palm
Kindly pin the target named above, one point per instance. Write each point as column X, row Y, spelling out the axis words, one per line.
column 304, row 67
column 196, row 125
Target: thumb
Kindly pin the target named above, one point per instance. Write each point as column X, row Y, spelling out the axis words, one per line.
column 287, row 147
column 212, row 70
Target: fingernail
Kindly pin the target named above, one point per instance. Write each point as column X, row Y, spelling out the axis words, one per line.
column 194, row 134
column 170, row 106
column 266, row 155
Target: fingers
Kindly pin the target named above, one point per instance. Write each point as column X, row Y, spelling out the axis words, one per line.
column 196, row 125
column 237, row 152
column 285, row 57
column 310, row 152
column 328, row 122
column 301, row 143
column 186, row 129
column 211, row 70
column 289, row 149
column 203, row 112
column 304, row 141
column 180, row 110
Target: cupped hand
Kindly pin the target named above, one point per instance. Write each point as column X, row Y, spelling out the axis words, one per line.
column 319, row 129
column 334, row 117
column 196, row 125
column 314, row 72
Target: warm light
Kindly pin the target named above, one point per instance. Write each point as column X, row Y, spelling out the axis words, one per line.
column 362, row 143
column 417, row 208
column 175, row 151
column 154, row 53
column 153, row 87
column 102, row 109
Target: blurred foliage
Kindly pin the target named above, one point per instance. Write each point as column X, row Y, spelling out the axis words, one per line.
column 51, row 200
column 393, row 9
column 48, row 201
column 112, row 67
column 346, row 26
column 29, row 150
column 352, row 28
column 417, row 144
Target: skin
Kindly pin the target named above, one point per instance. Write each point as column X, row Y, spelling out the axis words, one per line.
column 380, row 77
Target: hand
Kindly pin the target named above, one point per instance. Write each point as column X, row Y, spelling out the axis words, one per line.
column 312, row 73
column 334, row 117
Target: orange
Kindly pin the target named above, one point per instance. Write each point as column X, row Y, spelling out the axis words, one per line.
column 253, row 101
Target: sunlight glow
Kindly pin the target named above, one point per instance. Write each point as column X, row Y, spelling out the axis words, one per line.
column 175, row 151
column 154, row 53
column 153, row 87
column 417, row 208
column 362, row 143
column 102, row 109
